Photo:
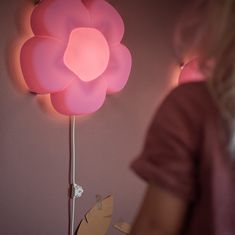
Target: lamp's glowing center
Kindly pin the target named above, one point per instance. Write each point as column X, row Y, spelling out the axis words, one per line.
column 87, row 53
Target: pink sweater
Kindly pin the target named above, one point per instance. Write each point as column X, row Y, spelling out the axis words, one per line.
column 185, row 153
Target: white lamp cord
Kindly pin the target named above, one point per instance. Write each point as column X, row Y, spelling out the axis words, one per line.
column 76, row 190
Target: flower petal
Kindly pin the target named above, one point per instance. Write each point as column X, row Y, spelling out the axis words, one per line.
column 106, row 19
column 80, row 97
column 58, row 18
column 43, row 67
column 118, row 69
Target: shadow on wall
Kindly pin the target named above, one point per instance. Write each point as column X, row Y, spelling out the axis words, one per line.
column 24, row 32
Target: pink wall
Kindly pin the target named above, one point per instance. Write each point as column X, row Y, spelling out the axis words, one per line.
column 34, row 145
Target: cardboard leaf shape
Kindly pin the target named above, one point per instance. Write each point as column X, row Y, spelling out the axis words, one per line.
column 98, row 219
column 123, row 227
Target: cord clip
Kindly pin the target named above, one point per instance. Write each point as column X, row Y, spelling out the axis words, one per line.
column 76, row 191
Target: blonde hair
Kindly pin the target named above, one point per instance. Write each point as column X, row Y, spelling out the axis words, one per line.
column 211, row 26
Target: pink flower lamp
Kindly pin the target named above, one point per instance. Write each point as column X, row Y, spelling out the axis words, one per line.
column 77, row 57
column 76, row 54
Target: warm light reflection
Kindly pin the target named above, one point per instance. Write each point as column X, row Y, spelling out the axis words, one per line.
column 46, row 106
column 23, row 32
column 191, row 72
column 174, row 75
